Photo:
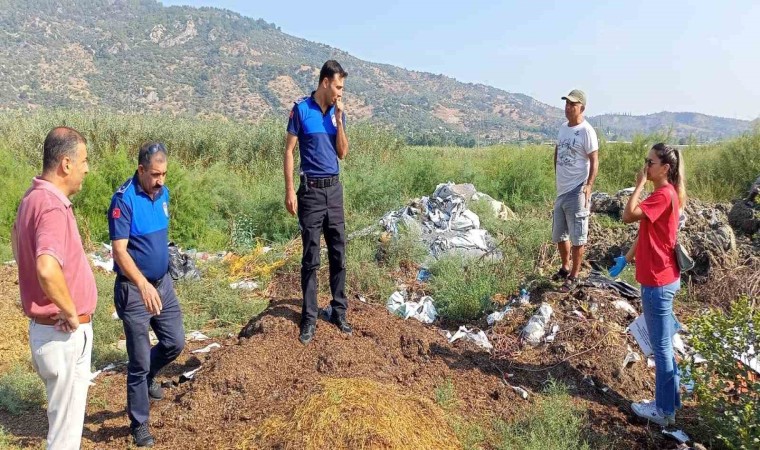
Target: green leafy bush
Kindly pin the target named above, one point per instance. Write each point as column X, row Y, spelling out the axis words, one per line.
column 727, row 390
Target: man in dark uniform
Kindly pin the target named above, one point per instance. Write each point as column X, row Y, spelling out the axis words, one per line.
column 317, row 124
column 138, row 222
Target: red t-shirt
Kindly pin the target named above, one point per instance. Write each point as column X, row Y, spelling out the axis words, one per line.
column 656, row 263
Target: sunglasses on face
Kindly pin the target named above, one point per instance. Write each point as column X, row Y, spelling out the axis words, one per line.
column 651, row 162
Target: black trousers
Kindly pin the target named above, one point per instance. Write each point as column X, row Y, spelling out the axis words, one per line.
column 320, row 210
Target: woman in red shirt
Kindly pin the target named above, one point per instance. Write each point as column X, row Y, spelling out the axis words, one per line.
column 657, row 271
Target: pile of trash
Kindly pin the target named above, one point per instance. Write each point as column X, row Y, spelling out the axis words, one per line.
column 445, row 224
column 745, row 214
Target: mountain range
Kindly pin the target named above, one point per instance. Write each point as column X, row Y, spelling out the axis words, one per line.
column 137, row 56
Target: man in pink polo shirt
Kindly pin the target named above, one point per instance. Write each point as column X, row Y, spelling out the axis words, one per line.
column 58, row 291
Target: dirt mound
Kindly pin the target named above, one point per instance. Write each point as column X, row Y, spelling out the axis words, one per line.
column 269, row 391
column 271, row 375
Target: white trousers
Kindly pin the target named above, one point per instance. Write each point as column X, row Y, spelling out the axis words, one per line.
column 63, row 360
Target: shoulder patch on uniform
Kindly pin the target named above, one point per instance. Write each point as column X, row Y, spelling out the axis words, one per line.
column 123, row 188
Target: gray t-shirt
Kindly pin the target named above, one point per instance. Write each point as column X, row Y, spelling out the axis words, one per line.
column 574, row 144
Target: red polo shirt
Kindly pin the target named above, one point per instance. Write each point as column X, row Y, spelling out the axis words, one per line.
column 656, row 263
column 45, row 225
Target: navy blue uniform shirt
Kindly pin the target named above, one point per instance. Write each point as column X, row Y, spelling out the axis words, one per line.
column 316, row 133
column 135, row 216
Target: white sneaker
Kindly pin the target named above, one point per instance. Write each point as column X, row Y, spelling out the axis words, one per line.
column 648, row 410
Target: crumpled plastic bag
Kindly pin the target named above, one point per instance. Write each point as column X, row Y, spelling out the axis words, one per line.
column 535, row 329
column 478, row 337
column 423, row 310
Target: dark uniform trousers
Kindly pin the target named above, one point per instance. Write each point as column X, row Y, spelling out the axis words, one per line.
column 145, row 362
column 320, row 209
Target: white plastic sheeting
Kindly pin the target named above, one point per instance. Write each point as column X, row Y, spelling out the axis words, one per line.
column 444, row 223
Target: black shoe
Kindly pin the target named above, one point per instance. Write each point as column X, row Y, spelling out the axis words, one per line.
column 307, row 332
column 142, row 436
column 155, row 391
column 340, row 321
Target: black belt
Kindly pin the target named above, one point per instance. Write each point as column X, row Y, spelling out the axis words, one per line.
column 123, row 279
column 322, row 182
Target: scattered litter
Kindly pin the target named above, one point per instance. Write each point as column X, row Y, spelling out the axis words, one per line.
column 631, row 357
column 497, row 315
column 678, row 344
column 650, row 362
column 12, row 262
column 638, row 329
column 520, row 391
column 598, row 280
column 108, row 368
column 479, row 337
column 115, row 316
column 207, row 348
column 553, row 334
column 189, row 375
column 103, row 258
column 424, row 310
column 361, row 298
column 678, row 435
column 699, row 359
column 423, row 274
column 196, row 336
column 524, row 297
column 623, row 305
column 181, row 266
column 245, row 285
column 536, row 327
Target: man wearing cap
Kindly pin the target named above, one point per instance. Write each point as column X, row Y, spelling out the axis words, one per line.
column 56, row 284
column 144, row 297
column 317, row 125
column 576, row 164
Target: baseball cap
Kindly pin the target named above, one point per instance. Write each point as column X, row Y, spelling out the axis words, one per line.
column 576, row 96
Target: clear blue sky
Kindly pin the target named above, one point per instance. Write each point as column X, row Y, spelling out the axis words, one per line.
column 634, row 57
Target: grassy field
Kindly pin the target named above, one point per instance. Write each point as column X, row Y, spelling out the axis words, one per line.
column 227, row 193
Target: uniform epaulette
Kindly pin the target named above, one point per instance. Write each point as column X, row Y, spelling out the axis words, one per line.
column 123, row 188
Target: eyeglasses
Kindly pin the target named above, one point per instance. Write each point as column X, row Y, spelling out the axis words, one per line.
column 651, row 162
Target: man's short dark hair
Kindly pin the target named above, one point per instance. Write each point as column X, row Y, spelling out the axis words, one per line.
column 330, row 68
column 148, row 150
column 59, row 143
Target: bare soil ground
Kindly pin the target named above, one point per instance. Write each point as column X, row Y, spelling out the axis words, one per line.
column 270, row 374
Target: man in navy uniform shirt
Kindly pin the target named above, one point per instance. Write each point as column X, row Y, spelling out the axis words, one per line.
column 317, row 124
column 138, row 223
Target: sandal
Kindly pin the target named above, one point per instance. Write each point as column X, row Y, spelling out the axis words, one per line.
column 562, row 274
column 569, row 284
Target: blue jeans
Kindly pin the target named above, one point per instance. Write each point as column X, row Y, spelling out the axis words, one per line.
column 657, row 302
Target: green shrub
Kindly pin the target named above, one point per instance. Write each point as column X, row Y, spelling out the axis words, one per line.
column 462, row 287
column 554, row 422
column 21, row 390
column 729, row 398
